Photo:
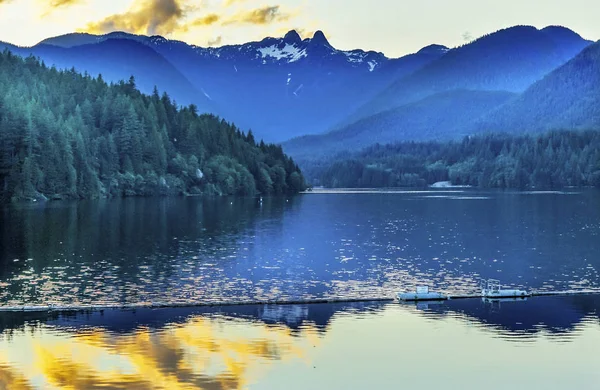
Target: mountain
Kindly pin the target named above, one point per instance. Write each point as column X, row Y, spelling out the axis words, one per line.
column 567, row 98
column 287, row 87
column 451, row 96
column 437, row 117
column 280, row 87
column 118, row 59
column 508, row 60
column 67, row 135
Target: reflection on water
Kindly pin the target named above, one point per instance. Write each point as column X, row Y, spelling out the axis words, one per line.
column 202, row 352
column 130, row 250
column 548, row 343
column 316, row 245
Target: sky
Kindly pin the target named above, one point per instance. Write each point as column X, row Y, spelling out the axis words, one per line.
column 394, row 27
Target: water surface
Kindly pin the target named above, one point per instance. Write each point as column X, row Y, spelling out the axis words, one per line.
column 539, row 343
column 338, row 244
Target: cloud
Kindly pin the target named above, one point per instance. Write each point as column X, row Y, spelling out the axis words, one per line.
column 264, row 15
column 53, row 5
column 206, row 20
column 62, row 3
column 148, row 17
column 215, row 42
column 165, row 17
column 228, row 3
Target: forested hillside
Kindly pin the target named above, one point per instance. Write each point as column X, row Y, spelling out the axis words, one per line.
column 510, row 59
column 67, row 135
column 550, row 161
column 438, row 117
column 568, row 97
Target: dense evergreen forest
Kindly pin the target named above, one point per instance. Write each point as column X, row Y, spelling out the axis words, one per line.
column 68, row 135
column 550, row 161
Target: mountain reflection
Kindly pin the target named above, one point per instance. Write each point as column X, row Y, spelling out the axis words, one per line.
column 520, row 317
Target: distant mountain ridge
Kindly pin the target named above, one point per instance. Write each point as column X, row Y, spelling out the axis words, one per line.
column 287, row 87
column 468, row 90
column 509, row 60
column 288, row 49
column 118, row 59
column 278, row 87
column 567, row 98
column 436, row 117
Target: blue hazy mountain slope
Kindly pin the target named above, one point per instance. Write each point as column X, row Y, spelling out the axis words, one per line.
column 279, row 87
column 567, row 98
column 440, row 116
column 74, row 39
column 510, row 59
column 118, row 59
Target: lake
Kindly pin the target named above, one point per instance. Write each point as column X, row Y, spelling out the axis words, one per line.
column 343, row 244
column 540, row 343
column 336, row 244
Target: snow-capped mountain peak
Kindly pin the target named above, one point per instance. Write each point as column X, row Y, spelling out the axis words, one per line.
column 291, row 48
column 289, row 52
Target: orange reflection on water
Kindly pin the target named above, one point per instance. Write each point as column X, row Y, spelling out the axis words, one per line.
column 202, row 353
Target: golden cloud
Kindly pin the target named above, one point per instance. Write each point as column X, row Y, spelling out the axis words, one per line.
column 200, row 22
column 163, row 17
column 227, row 3
column 148, row 17
column 264, row 15
column 62, row 3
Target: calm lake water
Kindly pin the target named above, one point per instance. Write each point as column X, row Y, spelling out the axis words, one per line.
column 541, row 343
column 334, row 244
column 313, row 245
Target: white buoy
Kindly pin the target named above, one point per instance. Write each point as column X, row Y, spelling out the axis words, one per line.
column 422, row 294
column 491, row 289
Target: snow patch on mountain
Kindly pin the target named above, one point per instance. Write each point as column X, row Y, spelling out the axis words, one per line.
column 289, row 52
column 355, row 56
column 298, row 89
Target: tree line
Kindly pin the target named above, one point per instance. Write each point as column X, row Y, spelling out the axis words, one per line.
column 70, row 135
column 552, row 160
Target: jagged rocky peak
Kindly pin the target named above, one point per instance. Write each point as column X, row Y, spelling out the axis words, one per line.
column 319, row 38
column 292, row 37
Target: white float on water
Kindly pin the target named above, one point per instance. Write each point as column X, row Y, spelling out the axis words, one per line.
column 422, row 294
column 491, row 289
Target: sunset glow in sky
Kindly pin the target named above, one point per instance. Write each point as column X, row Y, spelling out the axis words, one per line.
column 395, row 27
